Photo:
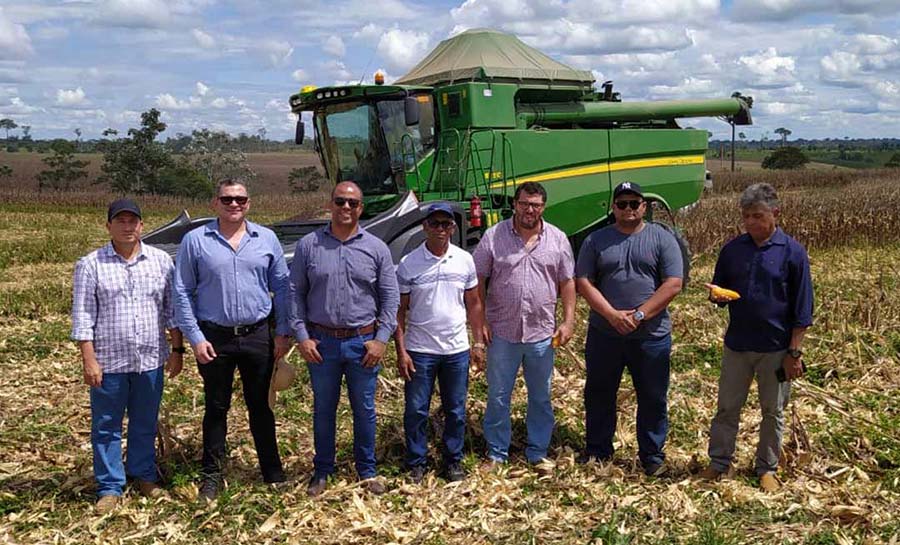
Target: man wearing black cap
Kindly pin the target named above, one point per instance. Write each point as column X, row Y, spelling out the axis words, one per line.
column 628, row 273
column 438, row 291
column 120, row 312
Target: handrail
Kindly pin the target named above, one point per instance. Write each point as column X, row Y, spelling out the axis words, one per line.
column 407, row 138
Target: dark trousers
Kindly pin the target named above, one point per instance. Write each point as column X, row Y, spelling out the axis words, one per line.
column 647, row 360
column 252, row 355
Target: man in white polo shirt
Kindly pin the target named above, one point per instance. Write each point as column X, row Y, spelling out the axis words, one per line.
column 438, row 290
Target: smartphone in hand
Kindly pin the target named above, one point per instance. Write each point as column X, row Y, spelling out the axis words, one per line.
column 782, row 376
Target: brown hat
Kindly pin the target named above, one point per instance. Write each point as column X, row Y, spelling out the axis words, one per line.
column 282, row 377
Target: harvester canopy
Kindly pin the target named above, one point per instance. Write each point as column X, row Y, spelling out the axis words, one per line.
column 492, row 56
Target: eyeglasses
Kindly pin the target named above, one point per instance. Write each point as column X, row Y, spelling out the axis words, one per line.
column 622, row 205
column 341, row 201
column 241, row 200
column 531, row 205
column 440, row 224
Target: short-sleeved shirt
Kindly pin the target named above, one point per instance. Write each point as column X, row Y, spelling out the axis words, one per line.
column 124, row 307
column 524, row 283
column 776, row 291
column 436, row 321
column 628, row 269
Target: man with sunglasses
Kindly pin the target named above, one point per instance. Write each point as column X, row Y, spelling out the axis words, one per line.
column 437, row 292
column 530, row 265
column 225, row 271
column 628, row 273
column 344, row 300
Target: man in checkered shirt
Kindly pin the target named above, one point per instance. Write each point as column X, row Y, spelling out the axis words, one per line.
column 121, row 309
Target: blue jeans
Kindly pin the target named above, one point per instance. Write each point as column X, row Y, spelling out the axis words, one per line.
column 342, row 357
column 452, row 372
column 647, row 361
column 503, row 360
column 139, row 394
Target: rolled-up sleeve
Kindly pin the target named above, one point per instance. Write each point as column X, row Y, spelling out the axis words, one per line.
column 84, row 301
column 298, row 287
column 801, row 290
column 184, row 286
column 279, row 283
column 388, row 295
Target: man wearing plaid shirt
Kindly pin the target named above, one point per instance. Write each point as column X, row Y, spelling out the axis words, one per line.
column 120, row 310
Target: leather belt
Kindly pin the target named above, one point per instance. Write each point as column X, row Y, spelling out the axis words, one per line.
column 344, row 333
column 236, row 330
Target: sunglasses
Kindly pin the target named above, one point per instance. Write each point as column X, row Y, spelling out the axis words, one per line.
column 622, row 205
column 440, row 224
column 228, row 199
column 341, row 201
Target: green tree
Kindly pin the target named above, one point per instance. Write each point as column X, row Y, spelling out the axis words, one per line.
column 134, row 164
column 8, row 124
column 6, row 171
column 894, row 161
column 215, row 155
column 787, row 157
column 784, row 134
column 183, row 180
column 62, row 168
column 305, row 179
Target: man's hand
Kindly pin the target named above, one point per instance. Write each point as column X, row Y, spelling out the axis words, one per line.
column 564, row 332
column 309, row 351
column 486, row 333
column 282, row 346
column 374, row 353
column 478, row 358
column 93, row 375
column 405, row 366
column 715, row 298
column 204, row 352
column 174, row 364
column 623, row 321
column 793, row 367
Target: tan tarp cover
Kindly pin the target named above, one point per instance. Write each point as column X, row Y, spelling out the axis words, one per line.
column 489, row 55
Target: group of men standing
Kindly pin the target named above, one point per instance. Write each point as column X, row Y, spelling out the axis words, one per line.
column 342, row 300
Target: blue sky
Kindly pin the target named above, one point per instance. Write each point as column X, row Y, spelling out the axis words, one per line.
column 822, row 68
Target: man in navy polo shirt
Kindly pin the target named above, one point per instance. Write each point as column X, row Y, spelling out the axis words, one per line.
column 770, row 271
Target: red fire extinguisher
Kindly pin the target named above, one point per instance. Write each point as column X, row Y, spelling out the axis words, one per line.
column 475, row 211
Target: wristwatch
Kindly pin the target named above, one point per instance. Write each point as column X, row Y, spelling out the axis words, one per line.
column 795, row 353
column 478, row 346
column 179, row 349
column 638, row 315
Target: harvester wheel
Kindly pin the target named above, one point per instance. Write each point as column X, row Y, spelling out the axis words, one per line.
column 683, row 246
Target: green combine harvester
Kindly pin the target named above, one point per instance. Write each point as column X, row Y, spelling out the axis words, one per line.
column 484, row 113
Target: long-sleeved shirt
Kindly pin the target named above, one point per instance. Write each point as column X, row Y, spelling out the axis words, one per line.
column 216, row 283
column 775, row 287
column 124, row 308
column 343, row 284
column 524, row 286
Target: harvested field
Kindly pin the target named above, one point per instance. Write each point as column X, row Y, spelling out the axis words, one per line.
column 842, row 471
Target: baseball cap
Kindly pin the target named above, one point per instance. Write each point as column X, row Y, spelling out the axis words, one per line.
column 122, row 205
column 628, row 187
column 440, row 207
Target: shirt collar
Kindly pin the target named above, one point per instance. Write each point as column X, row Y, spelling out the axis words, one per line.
column 513, row 232
column 110, row 251
column 213, row 228
column 431, row 257
column 359, row 233
column 778, row 238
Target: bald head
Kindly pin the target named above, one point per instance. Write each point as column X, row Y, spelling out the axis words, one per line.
column 346, row 186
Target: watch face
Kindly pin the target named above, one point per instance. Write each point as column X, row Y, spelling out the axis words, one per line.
column 639, row 315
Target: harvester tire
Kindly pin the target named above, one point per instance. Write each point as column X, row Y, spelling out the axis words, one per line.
column 685, row 248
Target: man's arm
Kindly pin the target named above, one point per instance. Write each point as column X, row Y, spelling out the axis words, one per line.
column 405, row 366
column 388, row 304
column 621, row 320
column 671, row 266
column 279, row 284
column 475, row 314
column 175, row 362
column 93, row 374
column 567, row 294
column 84, row 319
column 801, row 291
column 661, row 297
column 297, row 313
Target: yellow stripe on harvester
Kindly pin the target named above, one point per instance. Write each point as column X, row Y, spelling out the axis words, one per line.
column 609, row 167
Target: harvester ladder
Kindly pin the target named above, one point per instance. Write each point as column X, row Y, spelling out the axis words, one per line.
column 448, row 161
column 411, row 157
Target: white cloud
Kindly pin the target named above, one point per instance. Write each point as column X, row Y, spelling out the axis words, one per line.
column 203, row 39
column 768, row 68
column 688, row 87
column 16, row 106
column 614, row 13
column 369, row 33
column 14, row 40
column 334, row 46
column 74, row 97
column 202, row 90
column 840, row 67
column 134, row 14
column 300, row 75
column 51, row 33
column 166, row 101
column 276, row 52
column 401, row 49
column 219, row 103
column 337, row 70
column 876, row 44
column 780, row 10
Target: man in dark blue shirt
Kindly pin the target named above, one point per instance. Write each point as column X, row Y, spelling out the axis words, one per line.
column 770, row 272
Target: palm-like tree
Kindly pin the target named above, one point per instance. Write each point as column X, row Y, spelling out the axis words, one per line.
column 784, row 134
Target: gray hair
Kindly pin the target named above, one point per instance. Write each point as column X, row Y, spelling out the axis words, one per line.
column 229, row 182
column 761, row 193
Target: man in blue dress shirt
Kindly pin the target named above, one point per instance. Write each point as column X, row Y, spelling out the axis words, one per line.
column 770, row 271
column 344, row 299
column 225, row 271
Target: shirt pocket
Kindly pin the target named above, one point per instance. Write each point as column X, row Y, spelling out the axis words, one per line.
column 151, row 283
column 362, row 272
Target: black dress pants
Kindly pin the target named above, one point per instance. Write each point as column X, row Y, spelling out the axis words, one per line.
column 252, row 355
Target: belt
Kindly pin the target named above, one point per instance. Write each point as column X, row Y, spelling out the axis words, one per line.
column 236, row 330
column 342, row 332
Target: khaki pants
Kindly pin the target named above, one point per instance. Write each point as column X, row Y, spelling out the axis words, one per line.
column 738, row 370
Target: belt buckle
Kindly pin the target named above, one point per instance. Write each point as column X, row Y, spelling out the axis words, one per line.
column 237, row 330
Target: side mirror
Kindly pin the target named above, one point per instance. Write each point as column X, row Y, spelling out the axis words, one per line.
column 411, row 110
column 300, row 132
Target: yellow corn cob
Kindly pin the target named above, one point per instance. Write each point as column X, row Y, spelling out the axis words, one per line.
column 722, row 293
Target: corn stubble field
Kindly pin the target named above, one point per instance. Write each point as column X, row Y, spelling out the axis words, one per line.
column 842, row 471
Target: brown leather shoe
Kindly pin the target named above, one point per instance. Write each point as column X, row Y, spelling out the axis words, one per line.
column 713, row 474
column 768, row 483
column 151, row 490
column 106, row 504
column 374, row 485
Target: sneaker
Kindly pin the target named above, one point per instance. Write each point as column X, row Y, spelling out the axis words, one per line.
column 317, row 484
column 713, row 474
column 150, row 490
column 544, row 467
column 374, row 485
column 454, row 472
column 209, row 489
column 656, row 470
column 768, row 483
column 106, row 504
column 417, row 474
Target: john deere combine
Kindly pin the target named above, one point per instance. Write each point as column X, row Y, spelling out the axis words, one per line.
column 483, row 113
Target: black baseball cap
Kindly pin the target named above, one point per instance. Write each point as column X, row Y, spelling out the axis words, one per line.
column 628, row 187
column 122, row 205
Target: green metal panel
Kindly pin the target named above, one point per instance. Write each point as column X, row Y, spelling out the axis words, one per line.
column 476, row 105
column 574, row 112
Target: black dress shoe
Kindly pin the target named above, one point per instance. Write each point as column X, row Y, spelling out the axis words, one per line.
column 417, row 474
column 454, row 472
column 317, row 484
column 210, row 488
